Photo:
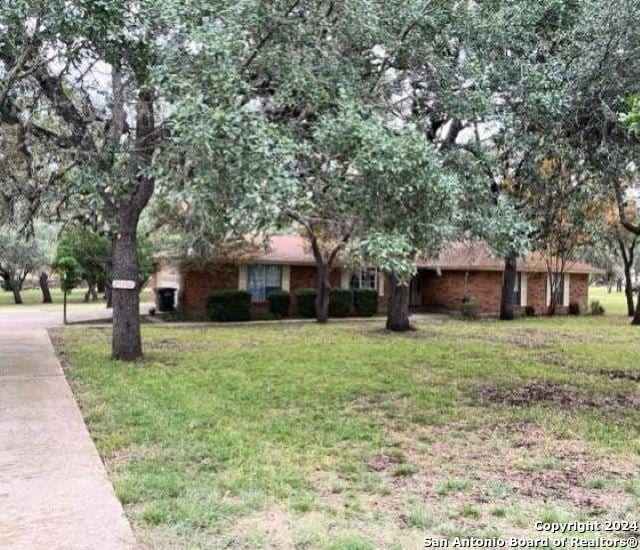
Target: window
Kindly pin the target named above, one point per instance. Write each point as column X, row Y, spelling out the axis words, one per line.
column 517, row 290
column 263, row 280
column 364, row 278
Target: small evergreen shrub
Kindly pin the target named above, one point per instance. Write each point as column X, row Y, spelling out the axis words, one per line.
column 574, row 308
column 530, row 311
column 470, row 309
column 279, row 303
column 306, row 302
column 340, row 303
column 365, row 302
column 227, row 306
column 596, row 308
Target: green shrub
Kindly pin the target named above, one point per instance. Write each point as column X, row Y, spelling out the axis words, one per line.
column 365, row 302
column 306, row 302
column 228, row 306
column 470, row 309
column 279, row 303
column 596, row 308
column 530, row 311
column 340, row 303
column 574, row 308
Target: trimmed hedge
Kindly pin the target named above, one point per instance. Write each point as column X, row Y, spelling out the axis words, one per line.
column 574, row 308
column 279, row 303
column 340, row 303
column 306, row 302
column 365, row 302
column 227, row 306
column 530, row 311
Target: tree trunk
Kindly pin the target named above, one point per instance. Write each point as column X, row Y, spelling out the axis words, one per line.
column 628, row 290
column 126, row 341
column 64, row 307
column 508, row 286
column 636, row 316
column 44, row 288
column 398, row 306
column 323, row 293
column 15, row 288
column 628, row 258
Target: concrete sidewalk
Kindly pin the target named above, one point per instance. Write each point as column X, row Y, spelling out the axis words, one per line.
column 54, row 490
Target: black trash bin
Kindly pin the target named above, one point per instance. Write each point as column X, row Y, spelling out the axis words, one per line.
column 165, row 298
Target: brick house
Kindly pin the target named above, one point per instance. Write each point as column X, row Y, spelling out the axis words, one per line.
column 463, row 270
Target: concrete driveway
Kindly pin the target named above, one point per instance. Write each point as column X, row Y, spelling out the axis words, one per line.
column 26, row 317
column 54, row 490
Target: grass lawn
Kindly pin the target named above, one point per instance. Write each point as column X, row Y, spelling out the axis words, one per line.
column 345, row 437
column 33, row 297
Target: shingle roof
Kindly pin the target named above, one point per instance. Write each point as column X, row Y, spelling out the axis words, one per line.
column 462, row 256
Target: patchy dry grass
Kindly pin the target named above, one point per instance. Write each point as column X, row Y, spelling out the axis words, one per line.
column 346, row 437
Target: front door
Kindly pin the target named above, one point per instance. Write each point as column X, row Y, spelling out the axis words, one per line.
column 415, row 296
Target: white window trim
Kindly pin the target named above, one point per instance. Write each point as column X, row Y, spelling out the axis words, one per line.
column 523, row 289
column 548, row 298
column 243, row 277
column 345, row 277
column 286, row 277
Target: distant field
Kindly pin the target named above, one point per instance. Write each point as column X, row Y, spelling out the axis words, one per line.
column 613, row 302
column 34, row 297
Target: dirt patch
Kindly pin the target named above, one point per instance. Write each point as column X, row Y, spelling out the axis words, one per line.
column 274, row 524
column 527, row 340
column 166, row 344
column 128, row 454
column 382, row 462
column 621, row 375
column 563, row 395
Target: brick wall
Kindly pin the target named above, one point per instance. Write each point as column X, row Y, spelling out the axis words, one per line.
column 197, row 284
column 447, row 290
column 537, row 292
column 443, row 292
column 579, row 291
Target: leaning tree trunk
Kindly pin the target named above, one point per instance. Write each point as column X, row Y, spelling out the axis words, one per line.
column 508, row 286
column 636, row 315
column 628, row 257
column 398, row 306
column 15, row 288
column 323, row 293
column 44, row 288
column 126, row 342
column 628, row 290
